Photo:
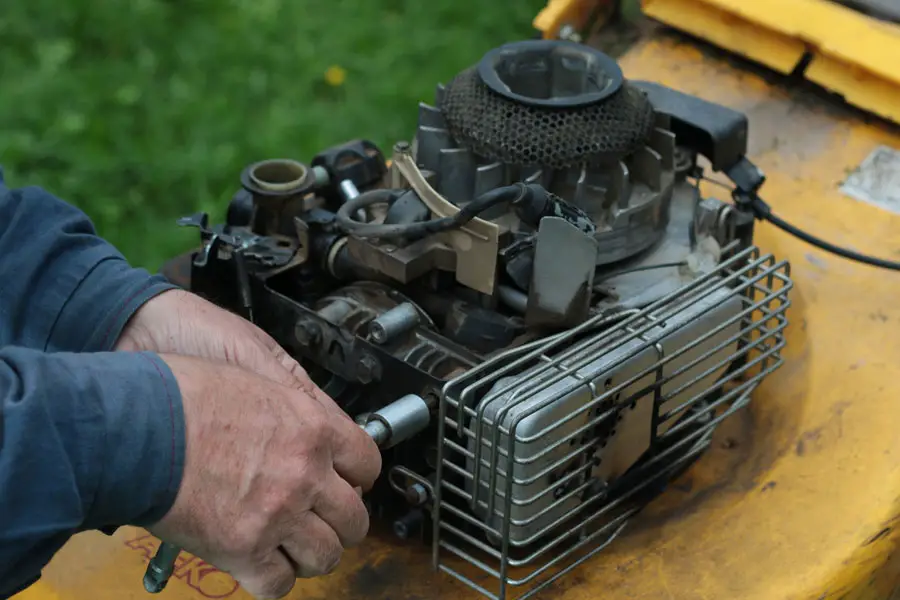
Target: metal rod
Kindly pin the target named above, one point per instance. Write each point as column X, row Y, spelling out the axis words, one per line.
column 161, row 567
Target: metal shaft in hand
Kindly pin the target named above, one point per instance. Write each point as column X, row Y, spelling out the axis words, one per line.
column 161, row 568
column 396, row 422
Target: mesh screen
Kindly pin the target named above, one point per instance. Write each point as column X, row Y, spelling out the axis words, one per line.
column 500, row 129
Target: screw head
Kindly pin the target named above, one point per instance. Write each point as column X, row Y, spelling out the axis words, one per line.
column 307, row 333
column 401, row 530
column 416, row 494
column 367, row 369
column 379, row 335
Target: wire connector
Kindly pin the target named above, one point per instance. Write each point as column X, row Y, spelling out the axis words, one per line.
column 746, row 176
column 753, row 204
column 748, row 179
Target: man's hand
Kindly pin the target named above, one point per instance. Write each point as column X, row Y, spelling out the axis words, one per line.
column 274, row 467
column 179, row 322
column 268, row 489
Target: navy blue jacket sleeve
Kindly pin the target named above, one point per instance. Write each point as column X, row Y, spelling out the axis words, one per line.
column 63, row 288
column 89, row 438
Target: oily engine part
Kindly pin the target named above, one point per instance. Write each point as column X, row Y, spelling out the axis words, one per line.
column 560, row 114
column 548, row 334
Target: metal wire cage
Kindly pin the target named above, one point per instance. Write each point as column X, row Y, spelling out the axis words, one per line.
column 546, row 451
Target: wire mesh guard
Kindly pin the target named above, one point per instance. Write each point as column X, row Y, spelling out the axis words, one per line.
column 546, row 451
column 499, row 129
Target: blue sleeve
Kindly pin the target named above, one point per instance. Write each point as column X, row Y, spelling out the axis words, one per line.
column 64, row 288
column 89, row 440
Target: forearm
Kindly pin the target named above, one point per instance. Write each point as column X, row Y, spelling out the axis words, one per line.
column 88, row 441
column 64, row 288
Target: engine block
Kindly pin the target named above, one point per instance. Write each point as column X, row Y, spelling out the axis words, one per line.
column 531, row 302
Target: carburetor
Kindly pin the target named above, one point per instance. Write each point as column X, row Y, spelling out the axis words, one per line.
column 530, row 304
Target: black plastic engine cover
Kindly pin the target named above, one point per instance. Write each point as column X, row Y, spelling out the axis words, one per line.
column 717, row 132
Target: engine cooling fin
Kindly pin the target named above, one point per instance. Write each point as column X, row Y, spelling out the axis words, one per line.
column 546, row 103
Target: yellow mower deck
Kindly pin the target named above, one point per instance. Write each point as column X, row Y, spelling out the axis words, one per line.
column 799, row 497
column 849, row 53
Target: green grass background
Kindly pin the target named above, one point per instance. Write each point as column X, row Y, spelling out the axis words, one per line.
column 142, row 111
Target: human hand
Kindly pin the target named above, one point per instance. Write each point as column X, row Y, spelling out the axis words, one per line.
column 179, row 322
column 268, row 488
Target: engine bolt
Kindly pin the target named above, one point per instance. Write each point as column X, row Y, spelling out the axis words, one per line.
column 367, row 369
column 416, row 494
column 307, row 333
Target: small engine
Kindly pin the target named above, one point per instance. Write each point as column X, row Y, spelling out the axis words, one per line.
column 530, row 302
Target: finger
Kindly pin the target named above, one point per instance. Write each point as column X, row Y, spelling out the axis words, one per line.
column 356, row 456
column 313, row 547
column 268, row 579
column 342, row 509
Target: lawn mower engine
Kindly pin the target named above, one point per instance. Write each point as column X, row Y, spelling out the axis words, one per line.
column 531, row 303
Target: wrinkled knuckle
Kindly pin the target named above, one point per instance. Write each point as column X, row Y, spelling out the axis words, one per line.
column 321, row 558
column 330, row 559
column 318, row 435
column 274, row 502
column 281, row 355
column 308, row 479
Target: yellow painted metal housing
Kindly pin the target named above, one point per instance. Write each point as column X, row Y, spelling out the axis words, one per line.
column 573, row 13
column 851, row 54
column 799, row 497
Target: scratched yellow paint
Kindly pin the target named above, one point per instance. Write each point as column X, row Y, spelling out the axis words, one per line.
column 798, row 498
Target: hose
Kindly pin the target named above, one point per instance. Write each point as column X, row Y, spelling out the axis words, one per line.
column 829, row 247
column 764, row 212
column 511, row 194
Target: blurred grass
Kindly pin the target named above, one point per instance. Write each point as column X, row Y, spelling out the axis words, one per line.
column 142, row 111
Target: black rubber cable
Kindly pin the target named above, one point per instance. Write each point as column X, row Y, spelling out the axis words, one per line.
column 507, row 194
column 763, row 212
column 829, row 247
